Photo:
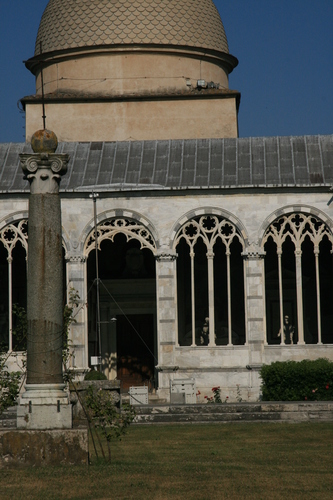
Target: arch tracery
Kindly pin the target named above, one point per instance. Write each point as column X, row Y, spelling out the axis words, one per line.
column 132, row 229
column 300, row 279
column 13, row 237
column 13, row 233
column 209, row 247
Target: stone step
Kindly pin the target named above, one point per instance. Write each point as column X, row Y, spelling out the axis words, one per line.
column 8, row 418
column 153, row 399
column 239, row 412
column 217, row 413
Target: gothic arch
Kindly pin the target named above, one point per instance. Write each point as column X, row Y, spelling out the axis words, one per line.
column 210, row 279
column 220, row 212
column 305, row 209
column 138, row 226
column 13, row 258
column 14, row 217
column 298, row 244
column 14, row 249
column 126, row 290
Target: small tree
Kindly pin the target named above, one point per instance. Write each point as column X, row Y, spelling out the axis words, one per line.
column 102, row 412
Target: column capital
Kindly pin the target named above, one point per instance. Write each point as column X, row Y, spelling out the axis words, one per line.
column 44, row 171
column 166, row 255
column 253, row 251
column 70, row 257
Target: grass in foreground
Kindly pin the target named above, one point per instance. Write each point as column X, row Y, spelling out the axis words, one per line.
column 233, row 461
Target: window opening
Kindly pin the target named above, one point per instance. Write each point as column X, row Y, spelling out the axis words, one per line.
column 210, row 283
column 298, row 278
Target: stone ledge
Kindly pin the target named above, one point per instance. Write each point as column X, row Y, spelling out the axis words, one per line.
column 236, row 412
column 38, row 448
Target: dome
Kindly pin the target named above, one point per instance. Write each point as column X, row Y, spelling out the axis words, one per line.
column 72, row 24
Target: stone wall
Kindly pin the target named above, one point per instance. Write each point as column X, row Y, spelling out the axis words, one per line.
column 161, row 214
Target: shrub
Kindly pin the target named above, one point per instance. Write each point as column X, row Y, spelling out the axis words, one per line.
column 298, row 380
column 105, row 416
column 9, row 385
column 95, row 375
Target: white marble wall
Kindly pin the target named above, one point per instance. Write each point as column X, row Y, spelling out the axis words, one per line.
column 252, row 213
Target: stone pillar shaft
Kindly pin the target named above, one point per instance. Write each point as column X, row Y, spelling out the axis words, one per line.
column 45, row 289
column 44, row 405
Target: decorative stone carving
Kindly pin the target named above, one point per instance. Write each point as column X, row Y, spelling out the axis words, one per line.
column 44, row 171
column 297, row 227
column 14, row 233
column 132, row 229
column 166, row 255
column 254, row 251
column 209, row 228
column 75, row 258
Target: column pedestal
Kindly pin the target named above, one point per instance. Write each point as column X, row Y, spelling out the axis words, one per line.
column 44, row 406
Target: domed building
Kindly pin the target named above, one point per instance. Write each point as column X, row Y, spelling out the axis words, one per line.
column 214, row 252
column 133, row 70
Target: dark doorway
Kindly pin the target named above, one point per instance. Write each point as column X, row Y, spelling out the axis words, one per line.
column 127, row 292
column 135, row 350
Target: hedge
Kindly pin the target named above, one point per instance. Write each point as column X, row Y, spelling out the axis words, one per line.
column 298, row 380
column 95, row 375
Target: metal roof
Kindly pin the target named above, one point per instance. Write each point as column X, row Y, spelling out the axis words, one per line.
column 184, row 164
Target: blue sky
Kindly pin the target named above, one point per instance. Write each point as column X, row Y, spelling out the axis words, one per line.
column 285, row 72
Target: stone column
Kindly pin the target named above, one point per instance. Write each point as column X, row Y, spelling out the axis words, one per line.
column 166, row 290
column 255, row 313
column 76, row 264
column 44, row 405
column 299, row 290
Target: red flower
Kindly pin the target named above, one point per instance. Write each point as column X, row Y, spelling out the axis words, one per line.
column 305, row 397
column 327, row 387
column 227, row 397
column 206, row 397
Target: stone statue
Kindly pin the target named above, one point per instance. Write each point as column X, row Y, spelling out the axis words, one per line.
column 288, row 330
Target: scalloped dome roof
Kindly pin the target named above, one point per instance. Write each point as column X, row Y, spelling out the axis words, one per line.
column 70, row 24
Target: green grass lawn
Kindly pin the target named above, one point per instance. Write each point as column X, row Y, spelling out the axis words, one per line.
column 236, row 461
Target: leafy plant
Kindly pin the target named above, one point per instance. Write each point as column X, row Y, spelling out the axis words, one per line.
column 298, row 380
column 68, row 320
column 95, row 375
column 19, row 332
column 216, row 397
column 9, row 384
column 101, row 410
column 238, row 395
column 10, row 381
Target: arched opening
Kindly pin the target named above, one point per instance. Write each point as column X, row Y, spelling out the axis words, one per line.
column 326, row 289
column 127, row 295
column 298, row 280
column 4, row 299
column 210, row 283
column 13, row 285
column 13, row 289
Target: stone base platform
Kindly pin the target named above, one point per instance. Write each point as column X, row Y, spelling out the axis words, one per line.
column 46, row 447
column 292, row 412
